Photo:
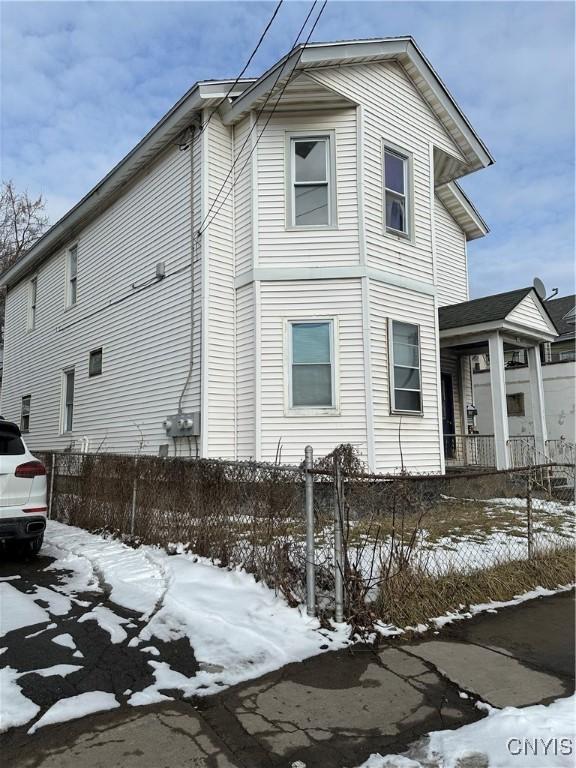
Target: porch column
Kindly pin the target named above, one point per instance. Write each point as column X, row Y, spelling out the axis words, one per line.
column 499, row 410
column 537, row 401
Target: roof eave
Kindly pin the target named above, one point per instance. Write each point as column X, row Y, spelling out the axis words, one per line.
column 467, row 215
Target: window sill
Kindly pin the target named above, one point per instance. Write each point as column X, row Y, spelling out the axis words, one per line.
column 312, row 228
column 305, row 412
column 396, row 412
column 399, row 235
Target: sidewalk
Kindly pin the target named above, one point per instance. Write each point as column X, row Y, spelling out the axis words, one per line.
column 332, row 710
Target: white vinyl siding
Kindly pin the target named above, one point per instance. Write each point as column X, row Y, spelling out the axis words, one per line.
column 246, row 372
column 282, row 246
column 451, row 261
column 221, row 329
column 529, row 314
column 313, row 300
column 417, row 439
column 146, row 337
column 394, row 113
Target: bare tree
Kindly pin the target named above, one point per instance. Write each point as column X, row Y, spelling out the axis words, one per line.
column 22, row 221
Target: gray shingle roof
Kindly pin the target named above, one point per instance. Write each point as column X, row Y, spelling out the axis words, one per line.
column 484, row 310
column 557, row 308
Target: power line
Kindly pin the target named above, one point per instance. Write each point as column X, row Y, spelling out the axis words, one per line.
column 260, row 111
column 235, row 83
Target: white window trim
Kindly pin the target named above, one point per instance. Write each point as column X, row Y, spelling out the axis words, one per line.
column 313, row 410
column 330, row 138
column 32, row 313
column 63, row 430
column 69, row 303
column 408, row 187
column 29, row 398
column 391, row 381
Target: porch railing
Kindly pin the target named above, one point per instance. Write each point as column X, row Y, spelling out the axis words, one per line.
column 561, row 451
column 522, row 451
column 469, row 450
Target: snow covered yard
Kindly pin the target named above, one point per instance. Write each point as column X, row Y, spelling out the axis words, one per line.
column 167, row 624
column 531, row 737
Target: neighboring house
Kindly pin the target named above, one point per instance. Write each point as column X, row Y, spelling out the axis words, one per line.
column 264, row 271
column 559, row 381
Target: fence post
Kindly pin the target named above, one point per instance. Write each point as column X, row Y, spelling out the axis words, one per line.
column 51, row 492
column 310, row 554
column 338, row 554
column 529, row 513
column 134, row 491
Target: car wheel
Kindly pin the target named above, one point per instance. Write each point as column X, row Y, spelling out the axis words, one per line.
column 33, row 546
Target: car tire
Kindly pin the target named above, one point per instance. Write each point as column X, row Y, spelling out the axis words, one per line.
column 33, row 546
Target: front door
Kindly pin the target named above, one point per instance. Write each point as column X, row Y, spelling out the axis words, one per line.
column 448, row 416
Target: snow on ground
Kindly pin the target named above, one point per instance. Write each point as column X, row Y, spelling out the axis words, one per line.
column 531, row 737
column 18, row 610
column 239, row 629
column 76, row 706
column 108, row 621
column 58, row 669
column 15, row 708
column 129, row 574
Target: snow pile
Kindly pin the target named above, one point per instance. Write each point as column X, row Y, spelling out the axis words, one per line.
column 532, row 737
column 239, row 629
column 76, row 706
column 18, row 610
column 15, row 708
column 130, row 576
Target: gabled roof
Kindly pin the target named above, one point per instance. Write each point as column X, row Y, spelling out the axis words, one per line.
column 496, row 310
column 405, row 51
column 562, row 313
column 246, row 94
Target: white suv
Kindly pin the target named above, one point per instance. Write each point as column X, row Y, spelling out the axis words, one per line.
column 22, row 492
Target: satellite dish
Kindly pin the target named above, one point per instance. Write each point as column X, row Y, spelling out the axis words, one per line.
column 539, row 287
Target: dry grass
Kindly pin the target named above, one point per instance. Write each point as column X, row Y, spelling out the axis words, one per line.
column 412, row 598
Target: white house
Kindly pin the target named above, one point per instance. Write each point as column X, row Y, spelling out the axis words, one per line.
column 264, row 270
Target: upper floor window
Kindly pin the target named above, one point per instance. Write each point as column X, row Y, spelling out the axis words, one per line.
column 396, row 192
column 311, row 182
column 25, row 414
column 32, row 298
column 405, row 381
column 72, row 288
column 312, row 379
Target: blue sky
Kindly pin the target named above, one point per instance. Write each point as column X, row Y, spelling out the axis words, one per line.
column 82, row 82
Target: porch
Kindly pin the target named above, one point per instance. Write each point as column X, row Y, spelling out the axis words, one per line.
column 493, row 325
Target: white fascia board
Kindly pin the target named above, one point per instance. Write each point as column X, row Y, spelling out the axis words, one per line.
column 471, row 333
column 468, row 218
column 171, row 125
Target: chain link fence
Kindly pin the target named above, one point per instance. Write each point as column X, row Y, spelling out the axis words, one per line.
column 350, row 545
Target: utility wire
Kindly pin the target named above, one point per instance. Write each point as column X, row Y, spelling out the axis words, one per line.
column 260, row 111
column 235, row 83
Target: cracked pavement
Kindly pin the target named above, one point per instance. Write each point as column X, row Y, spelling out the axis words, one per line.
column 330, row 711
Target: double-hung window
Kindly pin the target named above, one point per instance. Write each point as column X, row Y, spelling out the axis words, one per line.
column 405, row 379
column 72, row 276
column 311, row 182
column 25, row 414
column 396, row 189
column 68, row 401
column 312, row 377
column 32, row 298
column 95, row 363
